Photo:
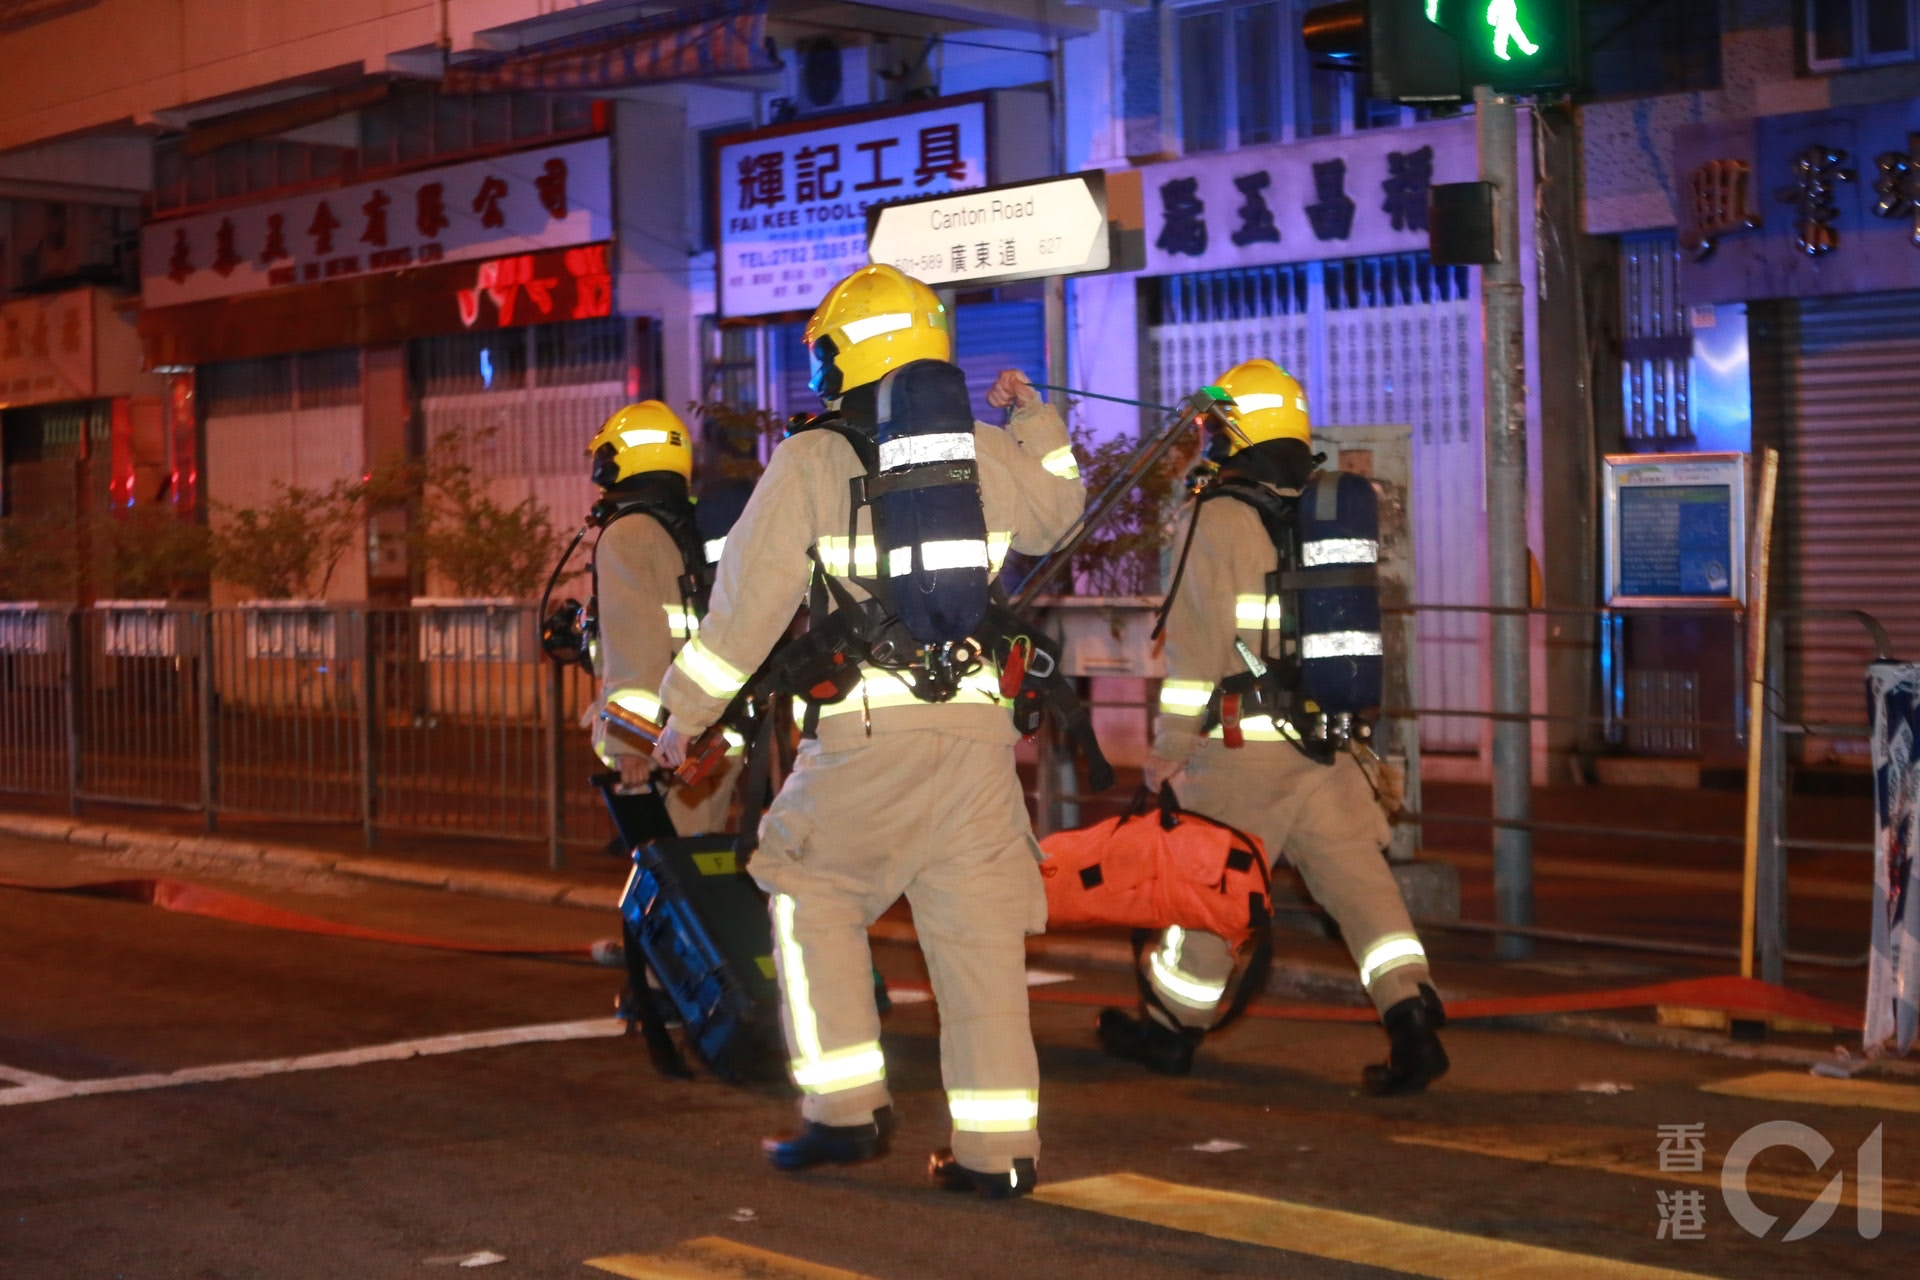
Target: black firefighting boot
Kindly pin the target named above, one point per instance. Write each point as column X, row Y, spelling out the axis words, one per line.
column 817, row 1144
column 954, row 1176
column 1143, row 1039
column 1414, row 1056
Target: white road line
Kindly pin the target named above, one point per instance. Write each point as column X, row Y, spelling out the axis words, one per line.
column 50, row 1090
column 14, row 1075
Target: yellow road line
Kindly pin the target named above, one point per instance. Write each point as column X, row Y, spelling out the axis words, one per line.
column 1896, row 1195
column 1330, row 1233
column 712, row 1258
column 1798, row 1086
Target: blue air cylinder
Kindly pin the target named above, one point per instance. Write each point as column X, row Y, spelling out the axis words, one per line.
column 929, row 527
column 1340, row 654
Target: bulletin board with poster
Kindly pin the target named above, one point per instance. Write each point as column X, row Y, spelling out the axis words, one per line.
column 1676, row 530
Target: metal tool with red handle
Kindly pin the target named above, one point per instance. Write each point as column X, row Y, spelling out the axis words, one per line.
column 703, row 757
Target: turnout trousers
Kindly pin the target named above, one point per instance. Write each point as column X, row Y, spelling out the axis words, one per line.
column 939, row 818
column 1325, row 821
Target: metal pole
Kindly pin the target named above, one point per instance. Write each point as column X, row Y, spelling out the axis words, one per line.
column 1759, row 577
column 1501, row 297
column 209, row 723
column 371, row 647
column 556, row 764
column 1770, row 879
column 76, row 658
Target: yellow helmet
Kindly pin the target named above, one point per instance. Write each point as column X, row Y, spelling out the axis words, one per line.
column 639, row 438
column 875, row 320
column 1269, row 403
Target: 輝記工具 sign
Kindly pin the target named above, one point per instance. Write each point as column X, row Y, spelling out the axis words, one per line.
column 792, row 202
column 1051, row 228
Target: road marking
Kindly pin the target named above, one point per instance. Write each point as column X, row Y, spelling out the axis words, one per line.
column 1332, row 1234
column 14, row 1075
column 712, row 1258
column 1797, row 1086
column 1896, row 1195
column 541, row 1033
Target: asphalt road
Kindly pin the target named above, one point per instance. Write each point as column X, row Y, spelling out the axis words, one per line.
column 550, row 1154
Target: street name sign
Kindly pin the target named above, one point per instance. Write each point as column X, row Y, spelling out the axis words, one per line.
column 1023, row 231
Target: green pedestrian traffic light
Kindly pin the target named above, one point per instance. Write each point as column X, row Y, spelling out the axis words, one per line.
column 1419, row 51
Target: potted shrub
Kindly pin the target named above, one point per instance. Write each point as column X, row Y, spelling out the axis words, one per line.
column 39, row 567
column 282, row 555
column 154, row 559
column 494, row 558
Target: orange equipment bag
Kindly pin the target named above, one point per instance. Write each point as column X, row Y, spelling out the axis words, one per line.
column 1149, row 871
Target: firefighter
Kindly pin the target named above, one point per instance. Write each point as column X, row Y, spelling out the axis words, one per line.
column 1316, row 807
column 650, row 582
column 894, row 793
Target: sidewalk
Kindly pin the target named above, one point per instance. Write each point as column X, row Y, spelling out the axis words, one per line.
column 1309, row 965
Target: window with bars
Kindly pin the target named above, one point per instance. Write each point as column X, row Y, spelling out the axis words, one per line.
column 1244, row 79
column 278, row 384
column 575, row 353
column 1843, row 34
column 1656, row 348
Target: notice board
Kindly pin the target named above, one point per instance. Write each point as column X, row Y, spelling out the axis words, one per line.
column 1676, row 530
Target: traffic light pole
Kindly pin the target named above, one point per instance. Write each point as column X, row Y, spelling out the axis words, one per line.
column 1501, row 295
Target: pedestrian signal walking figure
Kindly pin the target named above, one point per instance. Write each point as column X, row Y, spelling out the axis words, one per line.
column 651, row 577
column 1273, row 655
column 889, row 515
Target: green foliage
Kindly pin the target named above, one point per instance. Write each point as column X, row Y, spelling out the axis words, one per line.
column 480, row 546
column 152, row 553
column 1122, row 556
column 732, row 438
column 39, row 560
column 277, row 552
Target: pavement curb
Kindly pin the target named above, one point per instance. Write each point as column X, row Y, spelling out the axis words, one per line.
column 1295, row 980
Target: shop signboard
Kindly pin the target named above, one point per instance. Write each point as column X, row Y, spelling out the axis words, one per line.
column 502, row 206
column 791, row 202
column 1352, row 196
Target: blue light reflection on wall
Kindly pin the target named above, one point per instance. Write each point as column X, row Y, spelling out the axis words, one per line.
column 486, row 368
column 1722, row 383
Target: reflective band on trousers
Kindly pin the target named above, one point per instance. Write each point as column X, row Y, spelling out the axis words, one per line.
column 833, row 554
column 998, row 544
column 1255, row 403
column 1260, row 729
column 881, row 689
column 1339, row 551
column 813, row 1070
column 1253, row 610
column 1062, row 463
column 858, row 331
column 682, row 621
column 1185, row 697
column 644, row 703
column 714, row 547
column 714, row 674
column 913, row 451
column 994, row 1110
column 1340, row 644
column 1389, row 953
column 1183, row 986
column 952, row 553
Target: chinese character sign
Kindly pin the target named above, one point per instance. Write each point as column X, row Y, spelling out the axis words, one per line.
column 1336, row 196
column 791, row 205
column 46, row 348
column 545, row 198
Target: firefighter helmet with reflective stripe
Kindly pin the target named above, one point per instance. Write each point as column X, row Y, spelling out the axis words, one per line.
column 1269, row 402
column 640, row 438
column 874, row 321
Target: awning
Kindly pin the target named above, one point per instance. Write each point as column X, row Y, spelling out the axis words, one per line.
column 721, row 38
